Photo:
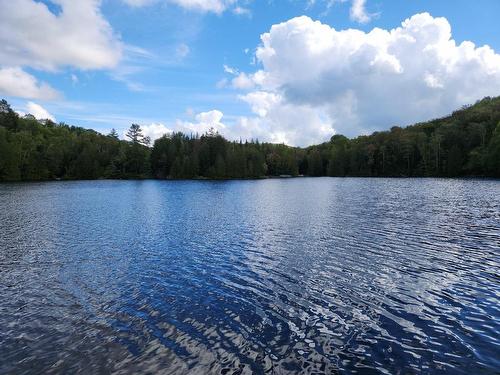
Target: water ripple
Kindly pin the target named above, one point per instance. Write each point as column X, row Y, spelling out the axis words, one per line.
column 382, row 276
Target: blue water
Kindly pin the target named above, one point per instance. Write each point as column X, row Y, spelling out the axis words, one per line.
column 325, row 275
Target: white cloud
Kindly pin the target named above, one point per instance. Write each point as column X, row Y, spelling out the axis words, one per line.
column 241, row 11
column 242, row 128
column 240, row 81
column 243, row 81
column 358, row 11
column 70, row 33
column 230, row 70
column 202, row 123
column 279, row 121
column 139, row 3
column 213, row 6
column 154, row 131
column 314, row 77
column 16, row 82
column 261, row 102
column 78, row 36
column 37, row 111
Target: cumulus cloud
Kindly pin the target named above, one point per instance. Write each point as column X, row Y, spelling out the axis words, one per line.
column 154, row 131
column 315, row 78
column 202, row 123
column 70, row 33
column 78, row 35
column 39, row 112
column 240, row 80
column 243, row 81
column 16, row 82
column 276, row 123
column 280, row 121
column 213, row 6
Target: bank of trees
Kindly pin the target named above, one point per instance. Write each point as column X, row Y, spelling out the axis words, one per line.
column 33, row 150
column 181, row 156
column 466, row 143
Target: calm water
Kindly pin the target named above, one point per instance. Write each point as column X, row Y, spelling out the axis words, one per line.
column 276, row 276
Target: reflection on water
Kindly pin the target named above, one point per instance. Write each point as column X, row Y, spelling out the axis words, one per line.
column 279, row 276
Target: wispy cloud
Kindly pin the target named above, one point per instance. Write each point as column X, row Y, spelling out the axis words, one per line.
column 357, row 12
column 203, row 6
column 125, row 74
column 241, row 11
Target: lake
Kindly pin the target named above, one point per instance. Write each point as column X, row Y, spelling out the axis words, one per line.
column 305, row 275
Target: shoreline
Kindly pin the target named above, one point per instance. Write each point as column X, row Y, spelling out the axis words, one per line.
column 493, row 178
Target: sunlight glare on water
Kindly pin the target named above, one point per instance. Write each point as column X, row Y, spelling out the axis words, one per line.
column 309, row 275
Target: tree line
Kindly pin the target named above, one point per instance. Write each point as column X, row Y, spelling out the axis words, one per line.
column 466, row 143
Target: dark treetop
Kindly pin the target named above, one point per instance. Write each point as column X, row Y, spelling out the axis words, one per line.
column 466, row 143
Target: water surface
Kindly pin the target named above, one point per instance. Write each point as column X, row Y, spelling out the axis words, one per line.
column 325, row 275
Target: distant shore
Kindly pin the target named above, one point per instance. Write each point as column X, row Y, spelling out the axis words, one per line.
column 464, row 144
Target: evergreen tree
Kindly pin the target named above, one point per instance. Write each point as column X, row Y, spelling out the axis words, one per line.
column 113, row 134
column 466, row 143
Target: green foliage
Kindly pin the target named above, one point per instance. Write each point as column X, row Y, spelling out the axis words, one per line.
column 32, row 150
column 210, row 156
column 466, row 143
column 492, row 155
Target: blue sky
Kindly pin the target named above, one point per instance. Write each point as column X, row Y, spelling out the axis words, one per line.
column 192, row 64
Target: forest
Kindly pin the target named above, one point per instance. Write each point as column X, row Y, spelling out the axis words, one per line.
column 465, row 143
